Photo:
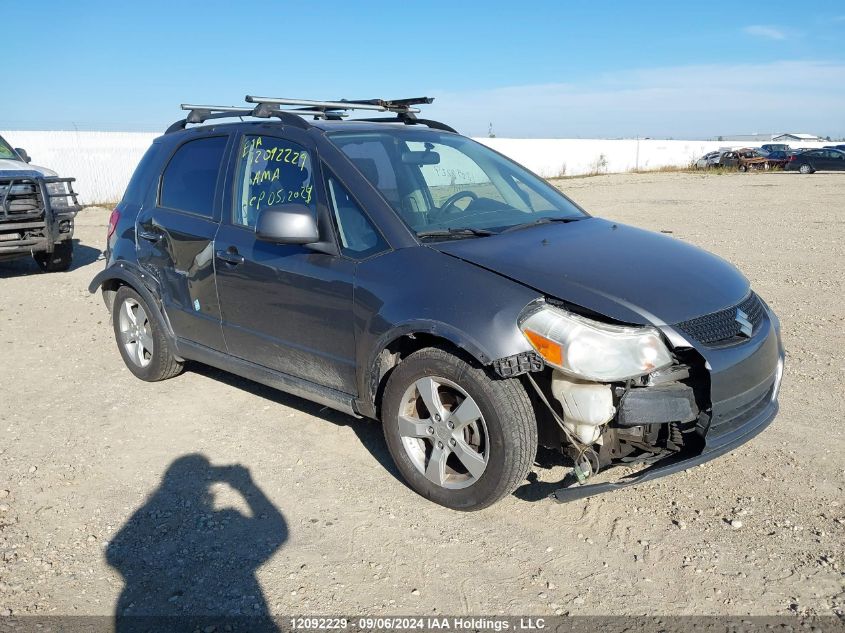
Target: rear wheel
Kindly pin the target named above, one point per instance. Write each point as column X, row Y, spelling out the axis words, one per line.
column 142, row 344
column 459, row 436
column 743, row 168
column 58, row 261
column 806, row 168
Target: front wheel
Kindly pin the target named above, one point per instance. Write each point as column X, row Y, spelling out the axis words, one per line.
column 743, row 168
column 459, row 436
column 58, row 261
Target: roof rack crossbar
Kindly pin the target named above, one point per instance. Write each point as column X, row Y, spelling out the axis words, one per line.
column 202, row 113
column 402, row 106
column 266, row 107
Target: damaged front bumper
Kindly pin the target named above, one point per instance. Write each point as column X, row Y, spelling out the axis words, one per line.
column 675, row 463
column 744, row 386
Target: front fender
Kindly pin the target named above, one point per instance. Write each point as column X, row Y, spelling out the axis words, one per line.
column 422, row 291
column 453, row 335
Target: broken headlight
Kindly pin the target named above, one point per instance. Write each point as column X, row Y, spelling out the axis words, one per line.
column 592, row 350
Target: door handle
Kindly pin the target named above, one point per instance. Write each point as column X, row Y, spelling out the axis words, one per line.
column 231, row 257
column 150, row 236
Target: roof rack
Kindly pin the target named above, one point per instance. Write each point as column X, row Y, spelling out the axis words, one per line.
column 399, row 106
column 266, row 107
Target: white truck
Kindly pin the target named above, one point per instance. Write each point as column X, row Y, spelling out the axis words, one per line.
column 37, row 211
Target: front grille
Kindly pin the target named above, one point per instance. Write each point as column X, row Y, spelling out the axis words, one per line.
column 722, row 328
column 20, row 199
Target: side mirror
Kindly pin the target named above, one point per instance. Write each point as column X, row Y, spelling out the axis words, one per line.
column 287, row 224
column 22, row 153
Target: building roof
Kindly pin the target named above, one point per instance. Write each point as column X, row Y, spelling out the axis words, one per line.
column 797, row 136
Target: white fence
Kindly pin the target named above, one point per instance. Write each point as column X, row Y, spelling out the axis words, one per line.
column 103, row 162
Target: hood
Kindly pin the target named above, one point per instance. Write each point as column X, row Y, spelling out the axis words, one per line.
column 7, row 164
column 622, row 272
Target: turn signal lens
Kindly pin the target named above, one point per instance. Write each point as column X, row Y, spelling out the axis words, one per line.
column 552, row 352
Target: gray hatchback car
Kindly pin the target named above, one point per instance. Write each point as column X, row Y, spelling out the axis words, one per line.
column 393, row 269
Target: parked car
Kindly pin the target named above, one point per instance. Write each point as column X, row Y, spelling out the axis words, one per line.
column 37, row 211
column 813, row 160
column 839, row 147
column 777, row 159
column 746, row 158
column 710, row 159
column 393, row 269
column 775, row 147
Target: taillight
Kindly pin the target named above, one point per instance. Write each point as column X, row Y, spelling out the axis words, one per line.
column 114, row 218
column 792, row 157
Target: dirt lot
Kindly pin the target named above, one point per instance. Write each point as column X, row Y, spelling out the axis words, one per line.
column 330, row 528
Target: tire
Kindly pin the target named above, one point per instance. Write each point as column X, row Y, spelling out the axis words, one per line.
column 502, row 436
column 58, row 261
column 806, row 168
column 140, row 339
column 743, row 168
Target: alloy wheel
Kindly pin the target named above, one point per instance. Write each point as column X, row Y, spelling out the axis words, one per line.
column 135, row 333
column 443, row 432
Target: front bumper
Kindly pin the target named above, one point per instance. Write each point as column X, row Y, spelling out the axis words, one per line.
column 745, row 383
column 32, row 218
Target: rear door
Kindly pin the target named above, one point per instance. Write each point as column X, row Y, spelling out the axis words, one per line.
column 285, row 307
column 176, row 237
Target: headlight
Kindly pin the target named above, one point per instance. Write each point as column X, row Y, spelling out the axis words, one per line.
column 58, row 194
column 591, row 350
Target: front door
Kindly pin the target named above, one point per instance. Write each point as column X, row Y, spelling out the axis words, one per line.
column 285, row 307
column 176, row 239
column 835, row 160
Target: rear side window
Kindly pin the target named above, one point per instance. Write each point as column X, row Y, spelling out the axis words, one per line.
column 190, row 179
column 272, row 171
column 139, row 183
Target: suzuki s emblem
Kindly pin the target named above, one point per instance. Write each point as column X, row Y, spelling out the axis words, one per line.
column 745, row 326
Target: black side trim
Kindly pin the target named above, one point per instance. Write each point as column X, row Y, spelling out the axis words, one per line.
column 275, row 379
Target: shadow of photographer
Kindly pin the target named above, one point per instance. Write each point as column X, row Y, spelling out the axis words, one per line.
column 187, row 563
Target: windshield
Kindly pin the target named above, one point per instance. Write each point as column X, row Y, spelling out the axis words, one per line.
column 441, row 182
column 6, row 151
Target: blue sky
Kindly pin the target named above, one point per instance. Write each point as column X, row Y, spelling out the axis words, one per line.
column 537, row 69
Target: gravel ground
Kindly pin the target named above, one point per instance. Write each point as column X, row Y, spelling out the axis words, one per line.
column 210, row 493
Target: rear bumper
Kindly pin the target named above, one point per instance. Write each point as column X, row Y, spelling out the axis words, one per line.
column 745, row 383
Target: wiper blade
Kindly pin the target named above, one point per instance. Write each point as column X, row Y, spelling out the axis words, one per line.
column 526, row 225
column 462, row 231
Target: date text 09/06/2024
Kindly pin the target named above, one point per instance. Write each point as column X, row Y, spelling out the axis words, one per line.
column 432, row 623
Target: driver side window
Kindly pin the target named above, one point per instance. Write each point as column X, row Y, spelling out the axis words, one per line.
column 358, row 237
